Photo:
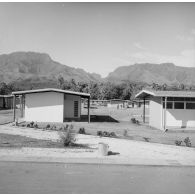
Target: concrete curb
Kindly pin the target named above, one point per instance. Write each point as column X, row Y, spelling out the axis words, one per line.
column 96, row 161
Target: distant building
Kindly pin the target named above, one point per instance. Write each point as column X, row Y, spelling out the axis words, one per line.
column 51, row 105
column 170, row 109
column 117, row 103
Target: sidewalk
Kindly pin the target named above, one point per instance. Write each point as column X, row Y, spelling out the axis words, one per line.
column 59, row 156
column 127, row 152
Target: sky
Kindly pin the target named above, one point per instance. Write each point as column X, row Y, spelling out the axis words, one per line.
column 99, row 37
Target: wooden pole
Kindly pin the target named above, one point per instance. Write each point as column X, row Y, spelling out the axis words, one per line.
column 144, row 111
column 14, row 107
column 88, row 105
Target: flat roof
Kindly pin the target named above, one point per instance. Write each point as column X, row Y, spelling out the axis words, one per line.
column 149, row 93
column 7, row 96
column 86, row 95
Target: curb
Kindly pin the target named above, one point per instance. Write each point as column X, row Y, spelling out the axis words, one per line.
column 97, row 161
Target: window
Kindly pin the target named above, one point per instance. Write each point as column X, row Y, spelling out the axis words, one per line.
column 179, row 105
column 169, row 105
column 190, row 105
column 76, row 108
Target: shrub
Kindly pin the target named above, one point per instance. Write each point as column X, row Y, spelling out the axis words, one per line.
column 99, row 133
column 134, row 121
column 178, row 142
column 105, row 134
column 66, row 137
column 60, row 129
column 28, row 125
column 31, row 124
column 112, row 134
column 187, row 142
column 125, row 133
column 147, row 139
column 53, row 127
column 82, row 130
column 36, row 126
column 48, row 126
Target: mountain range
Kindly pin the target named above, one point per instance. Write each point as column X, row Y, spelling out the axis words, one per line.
column 33, row 67
column 165, row 73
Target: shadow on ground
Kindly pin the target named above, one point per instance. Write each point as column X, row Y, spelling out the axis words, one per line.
column 98, row 118
column 113, row 153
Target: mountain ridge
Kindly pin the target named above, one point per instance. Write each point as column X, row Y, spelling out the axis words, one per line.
column 154, row 73
column 27, row 65
column 41, row 68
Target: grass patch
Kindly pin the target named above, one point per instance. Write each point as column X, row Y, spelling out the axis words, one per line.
column 7, row 140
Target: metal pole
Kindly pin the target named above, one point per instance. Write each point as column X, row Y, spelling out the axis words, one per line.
column 88, row 105
column 165, row 110
column 14, row 107
column 144, row 110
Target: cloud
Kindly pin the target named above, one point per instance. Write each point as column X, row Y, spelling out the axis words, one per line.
column 185, row 38
column 190, row 37
column 139, row 46
column 193, row 31
column 186, row 58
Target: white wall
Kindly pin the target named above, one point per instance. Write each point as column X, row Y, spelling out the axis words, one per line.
column 69, row 105
column 180, row 117
column 155, row 113
column 44, row 107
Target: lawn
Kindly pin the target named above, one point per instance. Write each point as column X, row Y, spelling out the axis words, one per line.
column 122, row 125
column 6, row 116
column 8, row 140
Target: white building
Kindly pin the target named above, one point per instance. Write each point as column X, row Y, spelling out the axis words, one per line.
column 170, row 109
column 51, row 105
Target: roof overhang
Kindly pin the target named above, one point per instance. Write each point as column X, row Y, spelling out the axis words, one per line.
column 83, row 95
column 144, row 94
column 147, row 94
column 6, row 96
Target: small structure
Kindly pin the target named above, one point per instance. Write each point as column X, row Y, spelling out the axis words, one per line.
column 138, row 103
column 118, row 103
column 50, row 105
column 169, row 109
column 6, row 101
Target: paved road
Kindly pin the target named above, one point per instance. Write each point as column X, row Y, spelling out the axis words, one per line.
column 26, row 177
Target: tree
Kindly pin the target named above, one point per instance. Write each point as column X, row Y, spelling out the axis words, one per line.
column 60, row 81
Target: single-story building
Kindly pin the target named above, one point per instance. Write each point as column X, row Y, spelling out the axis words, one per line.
column 169, row 109
column 6, row 101
column 50, row 105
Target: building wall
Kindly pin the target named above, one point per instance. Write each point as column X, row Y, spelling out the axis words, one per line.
column 69, row 105
column 44, row 107
column 180, row 118
column 155, row 113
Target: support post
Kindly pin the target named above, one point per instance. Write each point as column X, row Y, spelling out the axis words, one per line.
column 144, row 111
column 165, row 113
column 14, row 107
column 22, row 104
column 88, row 106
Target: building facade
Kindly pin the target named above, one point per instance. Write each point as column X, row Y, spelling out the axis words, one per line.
column 51, row 105
column 170, row 109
